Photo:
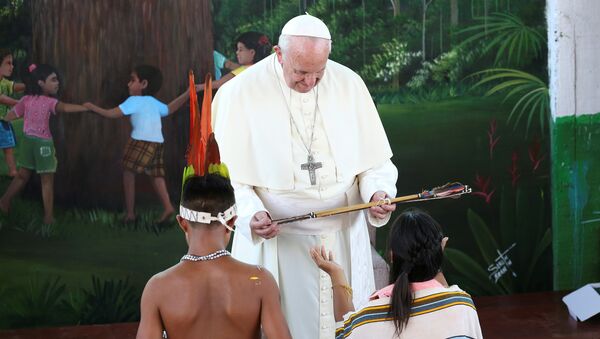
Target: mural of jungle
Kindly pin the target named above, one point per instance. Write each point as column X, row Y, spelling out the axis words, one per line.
column 461, row 87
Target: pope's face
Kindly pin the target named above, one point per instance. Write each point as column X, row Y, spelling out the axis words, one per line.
column 304, row 63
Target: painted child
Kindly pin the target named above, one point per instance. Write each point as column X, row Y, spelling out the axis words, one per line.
column 251, row 47
column 7, row 88
column 144, row 149
column 36, row 151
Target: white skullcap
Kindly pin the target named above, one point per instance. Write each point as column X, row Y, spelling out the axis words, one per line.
column 306, row 25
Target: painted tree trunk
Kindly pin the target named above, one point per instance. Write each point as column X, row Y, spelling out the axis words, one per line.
column 424, row 5
column 395, row 7
column 453, row 12
column 95, row 45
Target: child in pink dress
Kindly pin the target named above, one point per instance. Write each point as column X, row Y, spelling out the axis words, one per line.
column 36, row 151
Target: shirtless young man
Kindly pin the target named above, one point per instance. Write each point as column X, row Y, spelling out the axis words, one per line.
column 209, row 294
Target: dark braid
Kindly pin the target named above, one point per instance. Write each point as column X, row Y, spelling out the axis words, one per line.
column 416, row 255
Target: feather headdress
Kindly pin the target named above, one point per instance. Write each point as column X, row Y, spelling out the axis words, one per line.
column 203, row 151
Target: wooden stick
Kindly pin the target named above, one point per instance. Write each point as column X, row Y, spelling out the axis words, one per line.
column 425, row 195
column 358, row 207
column 346, row 209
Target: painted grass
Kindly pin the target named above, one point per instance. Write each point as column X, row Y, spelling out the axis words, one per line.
column 78, row 249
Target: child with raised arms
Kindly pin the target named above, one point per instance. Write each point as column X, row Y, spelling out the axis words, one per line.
column 36, row 151
column 144, row 149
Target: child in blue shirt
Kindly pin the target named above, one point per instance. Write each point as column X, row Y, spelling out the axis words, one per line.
column 144, row 149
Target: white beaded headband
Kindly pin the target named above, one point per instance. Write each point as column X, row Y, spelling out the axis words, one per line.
column 207, row 218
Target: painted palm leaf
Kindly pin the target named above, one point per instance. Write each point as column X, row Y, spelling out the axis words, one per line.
column 513, row 41
column 534, row 95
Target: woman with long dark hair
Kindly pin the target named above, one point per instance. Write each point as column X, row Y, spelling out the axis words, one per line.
column 418, row 302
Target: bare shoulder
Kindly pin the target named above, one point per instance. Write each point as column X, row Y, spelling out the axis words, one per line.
column 161, row 280
column 256, row 275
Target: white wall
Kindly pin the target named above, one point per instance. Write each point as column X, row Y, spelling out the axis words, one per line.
column 574, row 56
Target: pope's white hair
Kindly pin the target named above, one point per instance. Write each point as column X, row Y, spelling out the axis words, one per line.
column 285, row 41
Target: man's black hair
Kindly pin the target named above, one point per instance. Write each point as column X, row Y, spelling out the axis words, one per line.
column 210, row 193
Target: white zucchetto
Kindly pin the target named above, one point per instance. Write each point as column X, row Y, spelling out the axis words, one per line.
column 306, row 25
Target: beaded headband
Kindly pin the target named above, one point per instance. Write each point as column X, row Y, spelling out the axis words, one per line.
column 207, row 218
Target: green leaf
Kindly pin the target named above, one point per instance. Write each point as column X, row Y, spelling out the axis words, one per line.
column 512, row 40
column 471, row 271
column 507, row 216
column 542, row 245
column 483, row 237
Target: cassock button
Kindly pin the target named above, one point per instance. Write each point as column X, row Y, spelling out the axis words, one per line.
column 305, row 100
column 324, row 327
column 323, row 314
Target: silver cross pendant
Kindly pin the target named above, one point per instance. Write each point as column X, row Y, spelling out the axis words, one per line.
column 311, row 166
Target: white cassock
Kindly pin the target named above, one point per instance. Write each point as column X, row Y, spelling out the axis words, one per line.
column 264, row 129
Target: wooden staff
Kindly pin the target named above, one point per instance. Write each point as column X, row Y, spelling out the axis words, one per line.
column 450, row 190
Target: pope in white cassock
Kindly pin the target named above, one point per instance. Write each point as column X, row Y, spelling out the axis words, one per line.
column 300, row 133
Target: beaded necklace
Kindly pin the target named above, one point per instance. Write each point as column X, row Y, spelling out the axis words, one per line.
column 211, row 256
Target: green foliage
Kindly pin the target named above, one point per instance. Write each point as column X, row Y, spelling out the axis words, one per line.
column 45, row 302
column 15, row 31
column 534, row 96
column 369, row 37
column 446, row 68
column 484, row 239
column 25, row 217
column 514, row 42
column 72, row 306
column 472, row 274
column 358, row 29
column 390, row 62
column 37, row 305
column 145, row 221
column 432, row 93
column 108, row 301
column 525, row 260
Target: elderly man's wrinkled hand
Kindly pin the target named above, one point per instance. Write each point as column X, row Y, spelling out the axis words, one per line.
column 381, row 211
column 262, row 225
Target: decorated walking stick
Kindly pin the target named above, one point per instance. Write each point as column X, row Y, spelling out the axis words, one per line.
column 450, row 190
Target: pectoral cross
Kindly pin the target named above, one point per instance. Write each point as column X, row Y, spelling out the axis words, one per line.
column 311, row 166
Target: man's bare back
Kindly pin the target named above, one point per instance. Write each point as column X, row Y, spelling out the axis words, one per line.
column 220, row 298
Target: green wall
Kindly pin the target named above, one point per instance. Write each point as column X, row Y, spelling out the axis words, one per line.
column 576, row 200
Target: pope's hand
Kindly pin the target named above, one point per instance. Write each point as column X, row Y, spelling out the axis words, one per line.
column 262, row 225
column 380, row 212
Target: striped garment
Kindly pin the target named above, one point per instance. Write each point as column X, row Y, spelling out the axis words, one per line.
column 435, row 313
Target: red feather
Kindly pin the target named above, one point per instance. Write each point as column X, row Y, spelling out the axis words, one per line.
column 200, row 126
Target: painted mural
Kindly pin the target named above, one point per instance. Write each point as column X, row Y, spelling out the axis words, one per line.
column 461, row 87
